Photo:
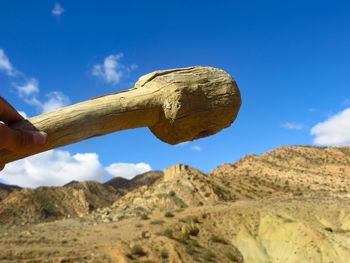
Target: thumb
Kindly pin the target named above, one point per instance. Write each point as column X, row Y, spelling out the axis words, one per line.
column 21, row 141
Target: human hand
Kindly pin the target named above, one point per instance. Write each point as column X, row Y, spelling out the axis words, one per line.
column 16, row 140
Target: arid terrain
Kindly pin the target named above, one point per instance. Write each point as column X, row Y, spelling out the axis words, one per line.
column 291, row 204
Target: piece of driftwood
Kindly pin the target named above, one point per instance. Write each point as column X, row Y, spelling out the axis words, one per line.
column 177, row 105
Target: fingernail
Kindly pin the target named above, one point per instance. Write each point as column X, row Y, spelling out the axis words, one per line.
column 39, row 138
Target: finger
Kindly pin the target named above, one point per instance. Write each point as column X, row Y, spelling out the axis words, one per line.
column 7, row 112
column 21, row 141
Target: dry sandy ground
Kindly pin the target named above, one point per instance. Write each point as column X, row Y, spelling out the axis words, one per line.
column 299, row 229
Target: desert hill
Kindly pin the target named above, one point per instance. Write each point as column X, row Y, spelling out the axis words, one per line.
column 71, row 200
column 49, row 203
column 5, row 190
column 293, row 170
column 290, row 204
column 286, row 171
column 140, row 180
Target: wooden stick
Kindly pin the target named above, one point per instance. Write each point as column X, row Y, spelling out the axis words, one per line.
column 156, row 101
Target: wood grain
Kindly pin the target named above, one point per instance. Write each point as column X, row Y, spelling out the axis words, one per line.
column 156, row 101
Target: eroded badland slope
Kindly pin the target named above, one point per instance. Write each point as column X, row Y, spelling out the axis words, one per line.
column 291, row 204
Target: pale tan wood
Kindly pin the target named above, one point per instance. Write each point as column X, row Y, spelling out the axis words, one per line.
column 178, row 105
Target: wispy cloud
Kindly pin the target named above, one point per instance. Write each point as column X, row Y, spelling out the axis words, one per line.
column 29, row 92
column 333, row 131
column 196, row 148
column 127, row 170
column 56, row 168
column 28, row 88
column 23, row 114
column 292, row 126
column 5, row 64
column 111, row 70
column 54, row 101
column 312, row 109
column 346, row 102
column 181, row 144
column 57, row 10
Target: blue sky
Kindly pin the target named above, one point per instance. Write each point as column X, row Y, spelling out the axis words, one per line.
column 289, row 58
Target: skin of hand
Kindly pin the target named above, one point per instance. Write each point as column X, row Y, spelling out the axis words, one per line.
column 16, row 140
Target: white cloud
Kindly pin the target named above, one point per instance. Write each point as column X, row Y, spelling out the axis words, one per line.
column 292, row 126
column 5, row 64
column 196, row 148
column 55, row 101
column 23, row 114
column 333, row 131
column 53, row 168
column 57, row 10
column 31, row 87
column 128, row 170
column 56, row 168
column 181, row 144
column 312, row 109
column 111, row 70
column 30, row 91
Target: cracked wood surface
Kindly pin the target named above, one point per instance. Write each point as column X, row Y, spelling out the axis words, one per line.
column 177, row 105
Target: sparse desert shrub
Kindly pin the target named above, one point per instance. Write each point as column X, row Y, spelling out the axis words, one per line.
column 209, row 256
column 172, row 193
column 145, row 234
column 219, row 191
column 329, row 229
column 168, row 233
column 144, row 217
column 184, row 238
column 137, row 250
column 178, row 201
column 169, row 214
column 157, row 222
column 195, row 220
column 190, row 250
column 231, row 257
column 191, row 230
column 190, row 244
column 195, row 243
column 49, row 208
column 164, row 254
column 217, row 239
